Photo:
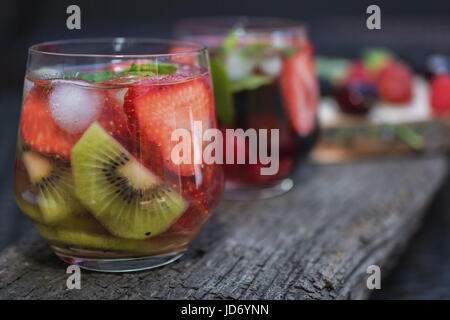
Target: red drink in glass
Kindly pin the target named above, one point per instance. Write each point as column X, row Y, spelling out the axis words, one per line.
column 264, row 78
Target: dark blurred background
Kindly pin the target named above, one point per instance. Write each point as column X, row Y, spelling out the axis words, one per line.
column 414, row 29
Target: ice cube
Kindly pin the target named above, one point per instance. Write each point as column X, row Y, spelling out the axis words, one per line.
column 48, row 73
column 271, row 66
column 74, row 107
column 238, row 67
column 120, row 94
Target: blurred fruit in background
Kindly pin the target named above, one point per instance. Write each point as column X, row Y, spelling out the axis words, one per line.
column 394, row 82
column 440, row 94
column 357, row 92
column 376, row 104
column 437, row 64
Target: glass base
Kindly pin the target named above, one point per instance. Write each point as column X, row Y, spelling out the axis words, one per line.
column 239, row 192
column 121, row 264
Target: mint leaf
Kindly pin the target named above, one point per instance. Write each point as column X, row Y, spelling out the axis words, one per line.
column 222, row 93
column 331, row 69
column 258, row 49
column 289, row 52
column 97, row 76
column 374, row 58
column 141, row 70
column 251, row 82
column 158, row 68
column 230, row 41
column 140, row 73
column 409, row 136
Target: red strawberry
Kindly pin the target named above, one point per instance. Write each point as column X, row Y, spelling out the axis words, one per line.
column 191, row 220
column 203, row 197
column 213, row 183
column 205, row 189
column 395, row 82
column 155, row 111
column 440, row 94
column 300, row 91
column 38, row 129
column 131, row 95
column 113, row 119
column 358, row 71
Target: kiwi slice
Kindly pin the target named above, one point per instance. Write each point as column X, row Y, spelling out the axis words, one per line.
column 128, row 199
column 106, row 242
column 27, row 206
column 87, row 233
column 53, row 188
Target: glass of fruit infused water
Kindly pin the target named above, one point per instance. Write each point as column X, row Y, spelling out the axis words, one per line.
column 264, row 78
column 94, row 171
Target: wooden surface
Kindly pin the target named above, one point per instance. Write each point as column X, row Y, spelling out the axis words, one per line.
column 423, row 269
column 312, row 243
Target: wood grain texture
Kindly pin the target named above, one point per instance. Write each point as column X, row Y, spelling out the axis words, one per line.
column 423, row 269
column 313, row 243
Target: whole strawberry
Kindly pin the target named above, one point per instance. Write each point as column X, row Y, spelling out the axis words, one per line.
column 440, row 94
column 395, row 82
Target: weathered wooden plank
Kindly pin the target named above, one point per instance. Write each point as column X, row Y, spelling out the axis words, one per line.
column 312, row 243
column 423, row 269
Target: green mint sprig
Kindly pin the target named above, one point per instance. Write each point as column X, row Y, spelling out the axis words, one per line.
column 143, row 70
column 99, row 76
column 251, row 82
column 153, row 68
column 222, row 93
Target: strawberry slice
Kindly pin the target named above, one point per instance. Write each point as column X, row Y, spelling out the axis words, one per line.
column 300, row 91
column 114, row 120
column 203, row 198
column 38, row 128
column 206, row 193
column 155, row 111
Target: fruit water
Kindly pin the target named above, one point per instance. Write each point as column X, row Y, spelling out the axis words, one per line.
column 93, row 168
column 264, row 78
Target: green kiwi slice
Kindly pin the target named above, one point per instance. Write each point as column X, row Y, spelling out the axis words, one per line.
column 53, row 188
column 93, row 236
column 28, row 208
column 128, row 199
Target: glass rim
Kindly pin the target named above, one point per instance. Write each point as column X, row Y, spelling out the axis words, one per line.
column 197, row 48
column 223, row 24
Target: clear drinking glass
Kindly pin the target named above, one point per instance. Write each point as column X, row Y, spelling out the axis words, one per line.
column 94, row 171
column 264, row 78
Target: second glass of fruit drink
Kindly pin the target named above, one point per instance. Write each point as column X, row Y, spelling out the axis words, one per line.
column 93, row 169
column 264, row 78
